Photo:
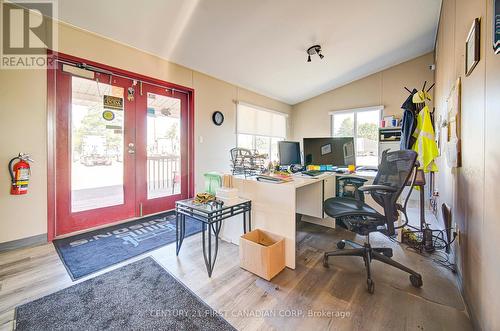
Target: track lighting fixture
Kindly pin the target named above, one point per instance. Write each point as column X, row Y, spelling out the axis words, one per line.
column 316, row 49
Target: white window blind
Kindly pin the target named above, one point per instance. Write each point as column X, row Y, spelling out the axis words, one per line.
column 253, row 120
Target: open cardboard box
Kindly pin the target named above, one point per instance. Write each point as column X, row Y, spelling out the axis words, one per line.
column 262, row 253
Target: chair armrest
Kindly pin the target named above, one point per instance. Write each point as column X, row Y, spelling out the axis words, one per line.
column 370, row 188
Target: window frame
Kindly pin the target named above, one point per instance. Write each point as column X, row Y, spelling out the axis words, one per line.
column 355, row 112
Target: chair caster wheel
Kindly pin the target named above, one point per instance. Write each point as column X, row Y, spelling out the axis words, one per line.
column 371, row 286
column 341, row 245
column 325, row 262
column 416, row 281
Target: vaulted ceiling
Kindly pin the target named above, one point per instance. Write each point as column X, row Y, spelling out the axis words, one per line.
column 261, row 44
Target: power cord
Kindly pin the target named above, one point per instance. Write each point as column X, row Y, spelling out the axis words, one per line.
column 416, row 243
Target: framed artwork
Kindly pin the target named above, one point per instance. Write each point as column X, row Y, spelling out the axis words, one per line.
column 496, row 27
column 472, row 45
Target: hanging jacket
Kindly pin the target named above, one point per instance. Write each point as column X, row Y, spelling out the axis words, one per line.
column 425, row 144
column 409, row 122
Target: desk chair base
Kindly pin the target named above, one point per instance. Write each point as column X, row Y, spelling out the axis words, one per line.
column 368, row 254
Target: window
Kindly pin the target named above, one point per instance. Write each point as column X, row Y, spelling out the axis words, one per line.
column 260, row 129
column 362, row 124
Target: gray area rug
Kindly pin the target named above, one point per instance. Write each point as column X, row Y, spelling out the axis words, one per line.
column 138, row 296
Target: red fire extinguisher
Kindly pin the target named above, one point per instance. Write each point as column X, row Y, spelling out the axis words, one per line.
column 20, row 174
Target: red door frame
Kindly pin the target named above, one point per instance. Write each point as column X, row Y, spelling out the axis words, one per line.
column 52, row 57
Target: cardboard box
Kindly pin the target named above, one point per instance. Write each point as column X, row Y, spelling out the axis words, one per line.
column 262, row 253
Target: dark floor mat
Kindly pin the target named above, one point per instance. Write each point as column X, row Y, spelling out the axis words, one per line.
column 138, row 296
column 92, row 251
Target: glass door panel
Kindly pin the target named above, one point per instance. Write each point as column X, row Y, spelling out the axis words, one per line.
column 95, row 170
column 163, row 146
column 96, row 146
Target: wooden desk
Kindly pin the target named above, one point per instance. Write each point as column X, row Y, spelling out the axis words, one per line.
column 274, row 206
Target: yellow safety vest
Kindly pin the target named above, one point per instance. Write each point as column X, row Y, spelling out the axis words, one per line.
column 425, row 144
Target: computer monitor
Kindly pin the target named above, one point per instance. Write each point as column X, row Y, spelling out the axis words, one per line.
column 289, row 153
column 335, row 151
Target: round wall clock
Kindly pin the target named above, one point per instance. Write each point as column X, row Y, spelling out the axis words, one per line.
column 218, row 118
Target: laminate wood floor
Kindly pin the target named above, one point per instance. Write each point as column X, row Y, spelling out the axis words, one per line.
column 310, row 297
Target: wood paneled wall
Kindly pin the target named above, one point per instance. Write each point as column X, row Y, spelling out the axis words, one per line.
column 473, row 190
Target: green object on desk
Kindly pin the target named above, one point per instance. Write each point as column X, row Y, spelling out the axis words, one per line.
column 213, row 181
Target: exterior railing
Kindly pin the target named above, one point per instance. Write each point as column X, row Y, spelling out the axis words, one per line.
column 163, row 172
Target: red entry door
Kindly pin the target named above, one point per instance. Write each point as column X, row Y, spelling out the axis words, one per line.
column 162, row 148
column 121, row 158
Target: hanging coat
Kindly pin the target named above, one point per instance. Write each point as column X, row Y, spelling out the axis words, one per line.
column 425, row 144
column 409, row 122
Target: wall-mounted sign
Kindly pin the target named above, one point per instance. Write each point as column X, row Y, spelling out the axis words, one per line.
column 108, row 115
column 111, row 102
column 496, row 27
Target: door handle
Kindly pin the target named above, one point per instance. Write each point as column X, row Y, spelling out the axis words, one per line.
column 131, row 148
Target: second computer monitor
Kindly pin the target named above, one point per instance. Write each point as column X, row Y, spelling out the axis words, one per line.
column 289, row 153
column 335, row 151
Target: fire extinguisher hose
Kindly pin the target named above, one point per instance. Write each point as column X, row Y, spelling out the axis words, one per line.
column 11, row 169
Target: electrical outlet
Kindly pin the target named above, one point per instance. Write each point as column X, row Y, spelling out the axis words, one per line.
column 459, row 237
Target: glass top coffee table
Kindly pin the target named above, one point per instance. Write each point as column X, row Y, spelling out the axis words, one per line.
column 211, row 216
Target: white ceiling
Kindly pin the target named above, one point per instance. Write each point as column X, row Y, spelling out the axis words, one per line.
column 260, row 44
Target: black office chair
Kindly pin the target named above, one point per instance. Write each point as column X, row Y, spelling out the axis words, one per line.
column 394, row 172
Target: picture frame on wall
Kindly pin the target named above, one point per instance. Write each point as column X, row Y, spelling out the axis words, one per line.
column 496, row 27
column 472, row 47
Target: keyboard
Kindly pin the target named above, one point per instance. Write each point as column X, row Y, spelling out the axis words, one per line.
column 312, row 173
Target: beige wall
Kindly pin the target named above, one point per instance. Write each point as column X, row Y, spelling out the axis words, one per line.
column 23, row 108
column 472, row 190
column 311, row 119
column 23, row 129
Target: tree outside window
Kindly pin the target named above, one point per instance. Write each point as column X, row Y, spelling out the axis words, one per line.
column 363, row 126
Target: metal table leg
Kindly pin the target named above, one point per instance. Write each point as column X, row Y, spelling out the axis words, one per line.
column 209, row 259
column 245, row 222
column 249, row 219
column 180, row 231
column 176, row 233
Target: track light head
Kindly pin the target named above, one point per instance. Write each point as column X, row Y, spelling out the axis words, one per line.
column 316, row 49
